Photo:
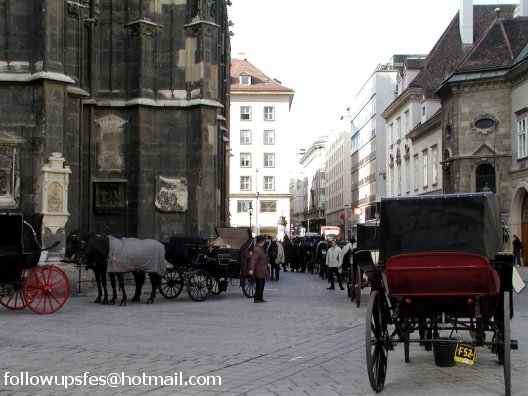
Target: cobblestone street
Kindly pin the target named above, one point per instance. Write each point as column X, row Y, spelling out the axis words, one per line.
column 305, row 341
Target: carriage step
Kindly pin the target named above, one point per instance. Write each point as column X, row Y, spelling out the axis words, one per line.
column 514, row 345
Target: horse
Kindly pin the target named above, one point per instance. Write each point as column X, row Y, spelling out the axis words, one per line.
column 117, row 256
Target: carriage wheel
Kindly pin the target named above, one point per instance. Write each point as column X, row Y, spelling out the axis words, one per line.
column 198, row 286
column 12, row 296
column 171, row 284
column 248, row 286
column 46, row 289
column 507, row 345
column 357, row 286
column 376, row 341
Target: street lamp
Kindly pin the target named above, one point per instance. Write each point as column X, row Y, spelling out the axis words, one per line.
column 250, row 211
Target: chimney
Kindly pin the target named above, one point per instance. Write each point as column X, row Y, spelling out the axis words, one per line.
column 522, row 9
column 466, row 21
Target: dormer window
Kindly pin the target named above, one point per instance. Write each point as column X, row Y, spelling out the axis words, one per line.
column 245, row 80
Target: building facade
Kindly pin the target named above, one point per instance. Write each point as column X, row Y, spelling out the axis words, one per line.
column 312, row 182
column 338, row 179
column 128, row 101
column 260, row 149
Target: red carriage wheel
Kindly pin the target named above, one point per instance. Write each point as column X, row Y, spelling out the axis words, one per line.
column 12, row 296
column 46, row 289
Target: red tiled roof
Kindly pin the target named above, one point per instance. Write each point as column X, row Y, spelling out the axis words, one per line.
column 260, row 82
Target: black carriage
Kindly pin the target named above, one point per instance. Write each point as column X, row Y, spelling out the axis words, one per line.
column 207, row 268
column 367, row 239
column 44, row 289
column 440, row 275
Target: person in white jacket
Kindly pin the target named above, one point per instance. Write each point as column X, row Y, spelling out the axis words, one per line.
column 332, row 263
column 279, row 259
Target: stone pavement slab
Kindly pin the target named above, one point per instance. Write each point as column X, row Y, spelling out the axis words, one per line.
column 305, row 341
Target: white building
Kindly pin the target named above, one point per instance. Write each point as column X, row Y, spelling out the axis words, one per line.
column 338, row 179
column 259, row 134
column 368, row 139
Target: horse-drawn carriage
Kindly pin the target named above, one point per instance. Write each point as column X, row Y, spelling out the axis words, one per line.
column 440, row 273
column 208, row 268
column 367, row 239
column 44, row 289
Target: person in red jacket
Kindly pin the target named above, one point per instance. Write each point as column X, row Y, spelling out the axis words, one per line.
column 259, row 267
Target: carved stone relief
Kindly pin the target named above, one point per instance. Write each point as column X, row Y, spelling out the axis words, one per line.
column 110, row 132
column 171, row 194
column 109, row 197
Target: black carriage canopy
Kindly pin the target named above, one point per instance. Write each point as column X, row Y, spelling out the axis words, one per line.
column 232, row 237
column 367, row 236
column 439, row 223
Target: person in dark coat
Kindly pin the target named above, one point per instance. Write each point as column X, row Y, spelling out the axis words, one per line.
column 259, row 267
column 517, row 247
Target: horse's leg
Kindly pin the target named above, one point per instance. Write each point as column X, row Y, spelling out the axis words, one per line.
column 139, row 278
column 155, row 280
column 102, row 270
column 114, row 290
column 121, row 279
column 97, row 274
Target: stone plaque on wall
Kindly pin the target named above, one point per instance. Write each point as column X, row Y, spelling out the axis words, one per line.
column 55, row 198
column 110, row 132
column 109, row 197
column 171, row 194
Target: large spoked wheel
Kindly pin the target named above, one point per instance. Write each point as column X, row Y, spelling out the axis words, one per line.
column 46, row 289
column 357, row 286
column 12, row 296
column 171, row 284
column 198, row 286
column 507, row 345
column 248, row 286
column 376, row 341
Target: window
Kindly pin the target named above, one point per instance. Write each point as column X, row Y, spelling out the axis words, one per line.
column 269, row 137
column 485, row 178
column 269, row 183
column 245, row 113
column 406, row 121
column 269, row 113
column 245, row 136
column 245, row 80
column 268, row 206
column 521, row 138
column 245, row 160
column 398, row 127
column 269, row 160
column 416, row 177
column 243, row 206
column 245, row 183
column 399, row 169
column 434, row 163
column 425, row 166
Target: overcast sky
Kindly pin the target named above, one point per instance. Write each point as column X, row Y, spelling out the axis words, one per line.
column 326, row 50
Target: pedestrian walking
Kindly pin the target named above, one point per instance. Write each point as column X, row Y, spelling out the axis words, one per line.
column 332, row 263
column 259, row 267
column 272, row 256
column 279, row 259
column 517, row 249
column 288, row 247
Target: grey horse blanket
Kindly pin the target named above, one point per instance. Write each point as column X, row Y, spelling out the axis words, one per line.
column 132, row 254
